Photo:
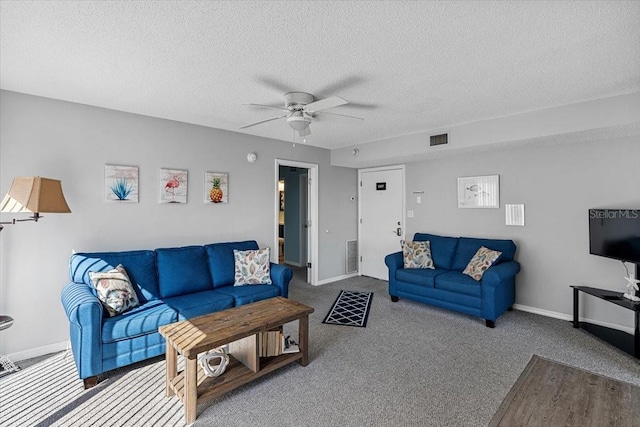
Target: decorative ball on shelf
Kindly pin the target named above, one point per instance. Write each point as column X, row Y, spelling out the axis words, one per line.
column 220, row 358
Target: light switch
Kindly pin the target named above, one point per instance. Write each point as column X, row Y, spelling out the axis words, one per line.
column 410, row 214
column 419, row 199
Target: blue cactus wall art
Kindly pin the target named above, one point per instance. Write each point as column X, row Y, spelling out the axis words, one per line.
column 121, row 184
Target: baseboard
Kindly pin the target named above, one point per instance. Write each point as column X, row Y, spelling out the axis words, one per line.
column 39, row 351
column 569, row 317
column 335, row 279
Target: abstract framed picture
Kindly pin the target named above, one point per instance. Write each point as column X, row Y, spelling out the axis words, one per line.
column 173, row 186
column 479, row 191
column 216, row 187
column 120, row 184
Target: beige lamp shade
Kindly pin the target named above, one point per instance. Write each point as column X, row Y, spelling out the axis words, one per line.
column 35, row 194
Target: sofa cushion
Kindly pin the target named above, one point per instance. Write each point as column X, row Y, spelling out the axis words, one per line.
column 200, row 303
column 417, row 255
column 252, row 267
column 442, row 249
column 418, row 276
column 454, row 281
column 467, row 247
column 182, row 271
column 221, row 261
column 114, row 290
column 140, row 267
column 248, row 294
column 144, row 319
column 481, row 261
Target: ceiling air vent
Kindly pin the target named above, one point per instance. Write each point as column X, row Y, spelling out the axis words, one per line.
column 438, row 139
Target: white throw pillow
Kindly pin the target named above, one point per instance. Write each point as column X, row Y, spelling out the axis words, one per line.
column 114, row 290
column 252, row 267
column 417, row 255
column 481, row 261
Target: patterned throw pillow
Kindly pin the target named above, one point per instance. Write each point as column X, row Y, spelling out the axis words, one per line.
column 417, row 255
column 252, row 267
column 481, row 261
column 114, row 290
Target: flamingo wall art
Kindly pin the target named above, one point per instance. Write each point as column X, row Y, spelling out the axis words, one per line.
column 120, row 184
column 173, row 186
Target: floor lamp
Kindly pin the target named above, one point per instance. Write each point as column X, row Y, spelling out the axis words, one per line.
column 36, row 195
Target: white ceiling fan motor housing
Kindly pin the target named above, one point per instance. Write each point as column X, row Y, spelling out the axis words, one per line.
column 295, row 101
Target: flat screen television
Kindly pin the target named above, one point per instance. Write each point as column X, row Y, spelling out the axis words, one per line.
column 615, row 233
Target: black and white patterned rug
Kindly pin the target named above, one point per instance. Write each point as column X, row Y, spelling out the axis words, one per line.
column 351, row 309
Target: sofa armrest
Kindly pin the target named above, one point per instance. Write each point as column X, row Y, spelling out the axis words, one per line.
column 394, row 261
column 281, row 276
column 500, row 273
column 84, row 311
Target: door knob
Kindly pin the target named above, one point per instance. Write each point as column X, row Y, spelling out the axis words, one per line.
column 398, row 231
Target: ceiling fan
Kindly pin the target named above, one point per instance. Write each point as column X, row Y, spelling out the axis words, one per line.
column 301, row 109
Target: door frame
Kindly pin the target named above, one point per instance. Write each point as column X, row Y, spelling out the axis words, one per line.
column 303, row 236
column 404, row 203
column 312, row 197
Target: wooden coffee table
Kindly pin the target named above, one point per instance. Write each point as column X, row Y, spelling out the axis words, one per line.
column 237, row 327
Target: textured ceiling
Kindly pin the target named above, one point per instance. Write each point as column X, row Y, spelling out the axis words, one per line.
column 405, row 67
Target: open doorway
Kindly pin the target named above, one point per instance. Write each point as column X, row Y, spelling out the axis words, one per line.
column 297, row 211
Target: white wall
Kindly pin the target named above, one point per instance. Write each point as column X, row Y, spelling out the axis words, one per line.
column 558, row 183
column 73, row 142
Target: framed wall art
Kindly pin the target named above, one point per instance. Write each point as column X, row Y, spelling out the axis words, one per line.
column 120, row 184
column 173, row 185
column 479, row 191
column 216, row 187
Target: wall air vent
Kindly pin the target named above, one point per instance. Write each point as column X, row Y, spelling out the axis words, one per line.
column 438, row 139
column 351, row 261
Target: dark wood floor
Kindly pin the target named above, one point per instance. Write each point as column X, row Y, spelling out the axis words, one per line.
column 549, row 393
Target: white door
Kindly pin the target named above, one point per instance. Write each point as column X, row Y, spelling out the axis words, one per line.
column 381, row 225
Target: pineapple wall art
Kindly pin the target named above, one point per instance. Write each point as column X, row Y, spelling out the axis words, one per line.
column 120, row 184
column 216, row 187
column 173, row 185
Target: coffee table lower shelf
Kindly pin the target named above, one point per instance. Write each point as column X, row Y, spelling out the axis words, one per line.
column 235, row 375
column 239, row 327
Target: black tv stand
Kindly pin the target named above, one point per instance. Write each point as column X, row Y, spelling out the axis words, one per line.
column 622, row 340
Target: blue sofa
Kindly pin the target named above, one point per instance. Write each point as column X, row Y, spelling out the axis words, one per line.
column 446, row 286
column 172, row 284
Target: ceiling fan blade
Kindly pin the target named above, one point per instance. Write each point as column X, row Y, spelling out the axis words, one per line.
column 263, row 121
column 340, row 85
column 304, row 132
column 341, row 115
column 275, row 84
column 325, row 104
column 267, row 106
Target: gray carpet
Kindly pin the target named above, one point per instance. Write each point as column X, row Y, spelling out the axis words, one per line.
column 413, row 365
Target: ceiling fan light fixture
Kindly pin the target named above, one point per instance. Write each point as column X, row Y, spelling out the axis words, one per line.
column 298, row 121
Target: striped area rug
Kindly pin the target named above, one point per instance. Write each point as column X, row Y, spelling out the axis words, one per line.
column 51, row 394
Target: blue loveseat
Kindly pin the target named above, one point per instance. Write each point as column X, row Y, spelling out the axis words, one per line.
column 446, row 286
column 172, row 284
